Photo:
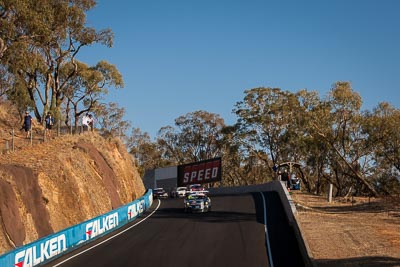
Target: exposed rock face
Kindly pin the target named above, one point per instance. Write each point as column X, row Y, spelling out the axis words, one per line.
column 47, row 187
column 11, row 221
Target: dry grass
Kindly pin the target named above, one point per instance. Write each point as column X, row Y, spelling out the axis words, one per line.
column 350, row 232
column 11, row 135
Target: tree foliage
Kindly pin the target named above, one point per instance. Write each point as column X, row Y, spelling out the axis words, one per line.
column 110, row 118
column 330, row 137
column 382, row 128
column 145, row 152
column 196, row 137
column 86, row 89
column 40, row 42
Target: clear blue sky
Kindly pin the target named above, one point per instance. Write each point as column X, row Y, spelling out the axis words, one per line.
column 179, row 56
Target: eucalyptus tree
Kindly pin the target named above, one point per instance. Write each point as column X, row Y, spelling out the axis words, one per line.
column 135, row 144
column 86, row 89
column 5, row 80
column 232, row 157
column 239, row 166
column 167, row 143
column 311, row 151
column 382, row 127
column 110, row 118
column 18, row 96
column 266, row 120
column 196, row 137
column 145, row 152
column 38, row 38
column 338, row 123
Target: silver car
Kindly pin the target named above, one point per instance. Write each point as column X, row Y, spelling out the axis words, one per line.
column 197, row 203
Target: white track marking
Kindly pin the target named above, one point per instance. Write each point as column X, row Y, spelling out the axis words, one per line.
column 111, row 237
column 271, row 263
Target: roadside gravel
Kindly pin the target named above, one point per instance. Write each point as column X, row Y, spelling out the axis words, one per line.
column 350, row 232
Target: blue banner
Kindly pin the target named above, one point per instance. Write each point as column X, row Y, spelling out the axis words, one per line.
column 48, row 248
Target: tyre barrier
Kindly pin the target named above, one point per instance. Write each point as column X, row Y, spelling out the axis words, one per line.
column 50, row 247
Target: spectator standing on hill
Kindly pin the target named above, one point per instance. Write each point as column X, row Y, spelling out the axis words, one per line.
column 285, row 178
column 85, row 122
column 27, row 126
column 49, row 124
column 91, row 122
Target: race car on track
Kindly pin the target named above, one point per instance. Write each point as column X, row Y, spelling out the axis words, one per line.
column 159, row 193
column 179, row 192
column 194, row 188
column 197, row 202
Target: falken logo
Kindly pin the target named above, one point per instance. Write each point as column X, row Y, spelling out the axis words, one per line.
column 150, row 199
column 37, row 254
column 102, row 225
column 135, row 209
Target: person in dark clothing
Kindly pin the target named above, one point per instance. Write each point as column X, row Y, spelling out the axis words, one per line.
column 27, row 124
column 49, row 124
column 91, row 122
column 285, row 178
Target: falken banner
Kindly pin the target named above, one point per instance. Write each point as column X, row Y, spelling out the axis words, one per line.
column 48, row 248
column 201, row 172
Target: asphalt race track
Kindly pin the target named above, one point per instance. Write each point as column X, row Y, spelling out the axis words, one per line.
column 232, row 234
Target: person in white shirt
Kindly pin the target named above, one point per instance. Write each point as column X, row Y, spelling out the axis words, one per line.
column 85, row 123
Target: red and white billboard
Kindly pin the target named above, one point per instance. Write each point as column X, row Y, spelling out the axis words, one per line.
column 201, row 172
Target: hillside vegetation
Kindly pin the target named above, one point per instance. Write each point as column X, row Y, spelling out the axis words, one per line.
column 48, row 186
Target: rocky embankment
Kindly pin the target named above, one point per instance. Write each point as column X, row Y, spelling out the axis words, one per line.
column 46, row 187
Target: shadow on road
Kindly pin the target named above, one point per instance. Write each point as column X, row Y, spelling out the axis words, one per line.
column 210, row 217
column 361, row 261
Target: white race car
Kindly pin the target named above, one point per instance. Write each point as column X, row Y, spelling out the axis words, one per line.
column 179, row 192
column 159, row 193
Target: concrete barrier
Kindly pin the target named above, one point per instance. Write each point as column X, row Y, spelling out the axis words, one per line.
column 288, row 205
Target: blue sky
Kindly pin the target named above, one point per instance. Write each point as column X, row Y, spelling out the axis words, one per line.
column 179, row 56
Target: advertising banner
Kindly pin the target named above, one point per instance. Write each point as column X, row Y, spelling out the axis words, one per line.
column 52, row 246
column 201, row 172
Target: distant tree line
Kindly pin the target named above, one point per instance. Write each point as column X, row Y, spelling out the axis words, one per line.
column 337, row 143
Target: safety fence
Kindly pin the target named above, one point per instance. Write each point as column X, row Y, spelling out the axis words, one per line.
column 19, row 138
column 50, row 247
